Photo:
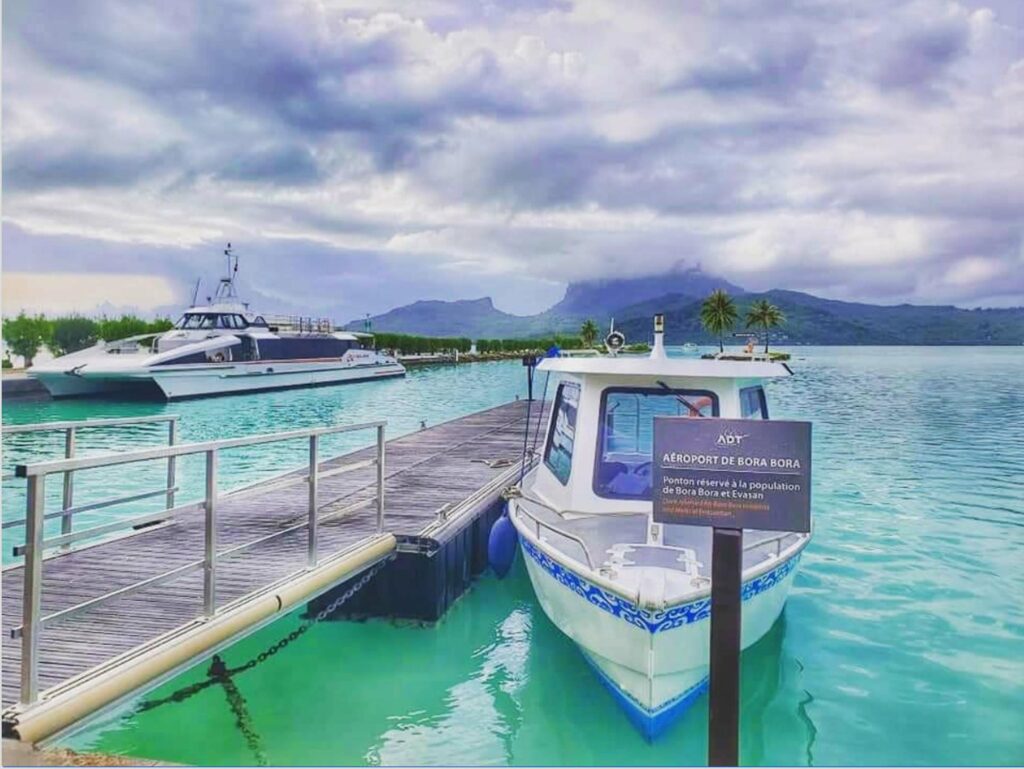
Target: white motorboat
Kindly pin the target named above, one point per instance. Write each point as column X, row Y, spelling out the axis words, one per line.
column 634, row 595
column 216, row 349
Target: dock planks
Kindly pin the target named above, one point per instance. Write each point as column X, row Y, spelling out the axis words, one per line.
column 424, row 472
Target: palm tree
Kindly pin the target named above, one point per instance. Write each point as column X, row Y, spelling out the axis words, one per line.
column 765, row 314
column 588, row 333
column 718, row 314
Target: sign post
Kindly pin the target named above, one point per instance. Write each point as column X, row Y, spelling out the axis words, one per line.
column 730, row 474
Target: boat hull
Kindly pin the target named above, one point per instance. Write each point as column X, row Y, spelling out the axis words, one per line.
column 655, row 663
column 180, row 382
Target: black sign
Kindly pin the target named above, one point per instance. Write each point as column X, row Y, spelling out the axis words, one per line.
column 733, row 473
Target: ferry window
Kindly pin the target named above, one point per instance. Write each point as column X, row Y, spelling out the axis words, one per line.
column 558, row 452
column 626, row 437
column 197, row 320
column 753, row 404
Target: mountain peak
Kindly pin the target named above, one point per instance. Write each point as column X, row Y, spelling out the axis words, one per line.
column 600, row 297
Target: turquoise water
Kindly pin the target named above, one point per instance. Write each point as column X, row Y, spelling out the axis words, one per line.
column 902, row 641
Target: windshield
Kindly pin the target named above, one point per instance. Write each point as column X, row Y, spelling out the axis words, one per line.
column 626, row 438
column 195, row 320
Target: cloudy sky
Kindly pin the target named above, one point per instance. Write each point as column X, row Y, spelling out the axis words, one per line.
column 363, row 155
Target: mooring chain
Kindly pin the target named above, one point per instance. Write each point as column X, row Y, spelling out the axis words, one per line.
column 240, row 709
column 218, row 670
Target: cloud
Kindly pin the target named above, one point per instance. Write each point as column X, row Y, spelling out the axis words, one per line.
column 68, row 292
column 384, row 152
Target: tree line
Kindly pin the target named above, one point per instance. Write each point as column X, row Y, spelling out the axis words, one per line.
column 26, row 334
column 538, row 344
column 412, row 344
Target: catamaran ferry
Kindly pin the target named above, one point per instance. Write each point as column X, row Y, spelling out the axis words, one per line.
column 216, row 349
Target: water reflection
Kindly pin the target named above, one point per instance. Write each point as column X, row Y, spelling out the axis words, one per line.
column 482, row 714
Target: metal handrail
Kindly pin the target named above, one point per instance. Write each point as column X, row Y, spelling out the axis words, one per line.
column 92, row 506
column 35, row 543
column 70, row 429
column 559, row 532
column 777, row 539
column 83, row 424
column 180, row 449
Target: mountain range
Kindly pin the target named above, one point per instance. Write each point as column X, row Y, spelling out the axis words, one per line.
column 678, row 294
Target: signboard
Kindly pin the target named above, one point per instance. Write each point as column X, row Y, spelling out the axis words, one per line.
column 733, row 473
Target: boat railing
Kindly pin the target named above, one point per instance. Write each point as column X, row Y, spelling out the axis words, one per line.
column 33, row 620
column 71, row 431
column 303, row 324
column 132, row 344
column 539, row 524
column 777, row 539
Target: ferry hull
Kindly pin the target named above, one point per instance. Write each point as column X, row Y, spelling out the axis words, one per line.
column 655, row 663
column 187, row 384
column 175, row 383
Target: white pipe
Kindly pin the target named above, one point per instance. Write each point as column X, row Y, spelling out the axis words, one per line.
column 658, row 351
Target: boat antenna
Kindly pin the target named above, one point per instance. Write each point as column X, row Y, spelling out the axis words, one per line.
column 226, row 289
column 195, row 292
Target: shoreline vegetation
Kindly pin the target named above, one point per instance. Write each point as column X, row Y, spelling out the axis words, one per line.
column 25, row 335
column 717, row 317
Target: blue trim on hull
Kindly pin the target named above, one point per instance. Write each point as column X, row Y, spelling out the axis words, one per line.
column 651, row 621
column 650, row 723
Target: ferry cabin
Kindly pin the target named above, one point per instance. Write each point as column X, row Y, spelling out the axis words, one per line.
column 597, row 456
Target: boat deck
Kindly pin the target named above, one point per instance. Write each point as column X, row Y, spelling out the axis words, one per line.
column 428, row 471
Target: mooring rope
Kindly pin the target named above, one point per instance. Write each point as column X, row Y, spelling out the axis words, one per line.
column 540, row 417
column 536, row 432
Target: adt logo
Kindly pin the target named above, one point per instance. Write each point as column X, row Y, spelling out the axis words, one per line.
column 730, row 439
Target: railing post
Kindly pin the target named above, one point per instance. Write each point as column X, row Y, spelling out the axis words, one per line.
column 210, row 553
column 313, row 472
column 380, row 479
column 172, row 462
column 69, row 481
column 33, row 584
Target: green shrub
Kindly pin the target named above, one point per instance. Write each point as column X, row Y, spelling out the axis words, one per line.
column 112, row 329
column 25, row 334
column 72, row 333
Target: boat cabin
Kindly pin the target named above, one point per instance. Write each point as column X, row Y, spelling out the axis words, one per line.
column 208, row 320
column 597, row 456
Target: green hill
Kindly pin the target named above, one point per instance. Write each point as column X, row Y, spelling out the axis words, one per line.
column 632, row 302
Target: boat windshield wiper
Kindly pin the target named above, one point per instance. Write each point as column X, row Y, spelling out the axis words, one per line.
column 693, row 409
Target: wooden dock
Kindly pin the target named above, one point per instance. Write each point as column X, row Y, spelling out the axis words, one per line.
column 428, row 474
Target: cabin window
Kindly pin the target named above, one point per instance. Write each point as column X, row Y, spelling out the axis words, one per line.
column 752, row 403
column 558, row 452
column 197, row 320
column 626, row 436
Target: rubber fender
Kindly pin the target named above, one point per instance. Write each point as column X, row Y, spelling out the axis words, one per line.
column 501, row 546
